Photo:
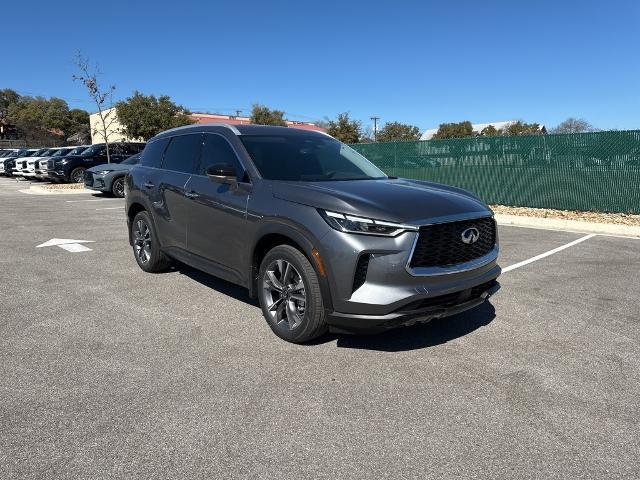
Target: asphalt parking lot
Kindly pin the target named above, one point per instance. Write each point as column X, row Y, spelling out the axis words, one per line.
column 109, row 372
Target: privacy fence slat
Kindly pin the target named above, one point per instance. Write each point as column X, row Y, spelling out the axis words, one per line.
column 598, row 171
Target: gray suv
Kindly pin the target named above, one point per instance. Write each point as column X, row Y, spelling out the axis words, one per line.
column 320, row 235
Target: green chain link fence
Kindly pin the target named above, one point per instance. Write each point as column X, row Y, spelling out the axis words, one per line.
column 597, row 171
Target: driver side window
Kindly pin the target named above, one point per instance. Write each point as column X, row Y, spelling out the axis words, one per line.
column 217, row 150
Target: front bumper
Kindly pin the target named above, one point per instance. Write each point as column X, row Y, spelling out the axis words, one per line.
column 438, row 307
column 97, row 182
column 57, row 174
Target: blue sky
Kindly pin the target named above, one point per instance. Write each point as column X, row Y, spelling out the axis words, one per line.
column 419, row 62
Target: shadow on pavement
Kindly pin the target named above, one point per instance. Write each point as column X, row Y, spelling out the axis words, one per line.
column 227, row 288
column 436, row 332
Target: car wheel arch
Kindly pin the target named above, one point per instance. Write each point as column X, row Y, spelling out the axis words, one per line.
column 280, row 234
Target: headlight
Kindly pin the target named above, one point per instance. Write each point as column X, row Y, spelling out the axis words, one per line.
column 366, row 226
column 103, row 172
column 62, row 162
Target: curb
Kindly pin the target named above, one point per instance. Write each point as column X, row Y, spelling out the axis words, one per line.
column 38, row 190
column 569, row 225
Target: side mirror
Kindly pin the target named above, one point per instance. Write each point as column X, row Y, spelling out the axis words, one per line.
column 222, row 173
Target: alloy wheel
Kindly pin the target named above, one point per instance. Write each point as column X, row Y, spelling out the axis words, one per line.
column 284, row 294
column 78, row 176
column 118, row 188
column 142, row 241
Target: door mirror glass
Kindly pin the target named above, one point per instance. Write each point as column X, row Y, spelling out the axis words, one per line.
column 222, row 173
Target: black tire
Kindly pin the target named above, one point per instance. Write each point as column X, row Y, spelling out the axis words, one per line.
column 77, row 175
column 312, row 323
column 117, row 187
column 146, row 249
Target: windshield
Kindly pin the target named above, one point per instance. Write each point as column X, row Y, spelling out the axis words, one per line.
column 307, row 158
column 48, row 153
column 92, row 150
column 61, row 152
column 133, row 160
column 77, row 150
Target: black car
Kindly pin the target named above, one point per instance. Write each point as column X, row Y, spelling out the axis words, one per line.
column 72, row 167
column 109, row 178
column 319, row 234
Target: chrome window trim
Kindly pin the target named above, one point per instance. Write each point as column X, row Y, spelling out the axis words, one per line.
column 460, row 267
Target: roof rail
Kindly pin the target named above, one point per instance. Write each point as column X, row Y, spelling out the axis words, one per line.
column 215, row 124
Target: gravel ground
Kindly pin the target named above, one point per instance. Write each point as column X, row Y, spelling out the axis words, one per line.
column 62, row 186
column 597, row 217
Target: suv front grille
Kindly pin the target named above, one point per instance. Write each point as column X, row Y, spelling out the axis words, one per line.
column 51, row 164
column 441, row 244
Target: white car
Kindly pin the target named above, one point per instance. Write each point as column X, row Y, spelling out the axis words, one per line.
column 30, row 170
column 21, row 162
column 42, row 164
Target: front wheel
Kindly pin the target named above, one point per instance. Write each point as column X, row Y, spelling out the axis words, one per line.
column 117, row 188
column 146, row 248
column 290, row 296
column 77, row 176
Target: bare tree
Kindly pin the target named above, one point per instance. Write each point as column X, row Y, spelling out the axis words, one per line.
column 102, row 97
column 574, row 125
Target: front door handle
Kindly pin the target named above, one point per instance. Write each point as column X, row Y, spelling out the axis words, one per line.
column 191, row 194
column 149, row 184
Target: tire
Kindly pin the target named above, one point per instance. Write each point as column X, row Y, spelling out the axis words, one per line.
column 280, row 301
column 77, row 175
column 146, row 249
column 117, row 187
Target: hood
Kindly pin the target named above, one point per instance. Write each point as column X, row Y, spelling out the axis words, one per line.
column 111, row 167
column 394, row 200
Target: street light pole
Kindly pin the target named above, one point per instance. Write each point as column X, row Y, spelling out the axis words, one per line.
column 375, row 128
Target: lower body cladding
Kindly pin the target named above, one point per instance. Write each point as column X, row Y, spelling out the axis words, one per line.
column 374, row 287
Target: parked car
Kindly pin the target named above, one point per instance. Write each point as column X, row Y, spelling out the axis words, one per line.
column 21, row 162
column 7, row 163
column 30, row 170
column 109, row 177
column 41, row 165
column 319, row 234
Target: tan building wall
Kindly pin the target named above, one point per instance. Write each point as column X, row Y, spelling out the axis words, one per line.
column 114, row 128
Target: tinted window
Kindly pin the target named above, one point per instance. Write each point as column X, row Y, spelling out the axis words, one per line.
column 183, row 153
column 217, row 150
column 152, row 154
column 94, row 150
column 309, row 158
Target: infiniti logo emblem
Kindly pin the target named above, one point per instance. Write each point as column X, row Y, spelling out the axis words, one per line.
column 470, row 235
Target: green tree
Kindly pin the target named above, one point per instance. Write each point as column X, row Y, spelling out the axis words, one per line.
column 454, row 130
column 262, row 115
column 396, row 131
column 144, row 116
column 490, row 131
column 344, row 129
column 574, row 125
column 523, row 128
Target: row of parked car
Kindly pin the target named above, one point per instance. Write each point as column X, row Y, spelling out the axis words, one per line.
column 79, row 163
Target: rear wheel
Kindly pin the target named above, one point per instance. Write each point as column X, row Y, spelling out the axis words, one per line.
column 290, row 296
column 145, row 245
column 117, row 187
column 77, row 175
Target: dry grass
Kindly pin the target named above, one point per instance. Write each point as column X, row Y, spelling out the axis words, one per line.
column 596, row 217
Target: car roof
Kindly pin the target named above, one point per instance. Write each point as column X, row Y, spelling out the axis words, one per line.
column 240, row 130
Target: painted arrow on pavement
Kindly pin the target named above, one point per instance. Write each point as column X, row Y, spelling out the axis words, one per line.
column 73, row 246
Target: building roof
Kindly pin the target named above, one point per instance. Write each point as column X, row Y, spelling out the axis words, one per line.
column 202, row 118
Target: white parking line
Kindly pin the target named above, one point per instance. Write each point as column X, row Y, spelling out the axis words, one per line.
column 96, row 200
column 111, row 208
column 546, row 254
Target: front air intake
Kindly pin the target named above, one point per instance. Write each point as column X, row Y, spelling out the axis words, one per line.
column 361, row 271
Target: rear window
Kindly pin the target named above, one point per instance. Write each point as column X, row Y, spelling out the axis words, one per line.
column 152, row 153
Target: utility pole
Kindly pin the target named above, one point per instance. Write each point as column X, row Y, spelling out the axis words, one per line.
column 375, row 128
column 238, row 112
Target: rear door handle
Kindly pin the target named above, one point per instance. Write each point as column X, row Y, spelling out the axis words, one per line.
column 149, row 184
column 191, row 194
